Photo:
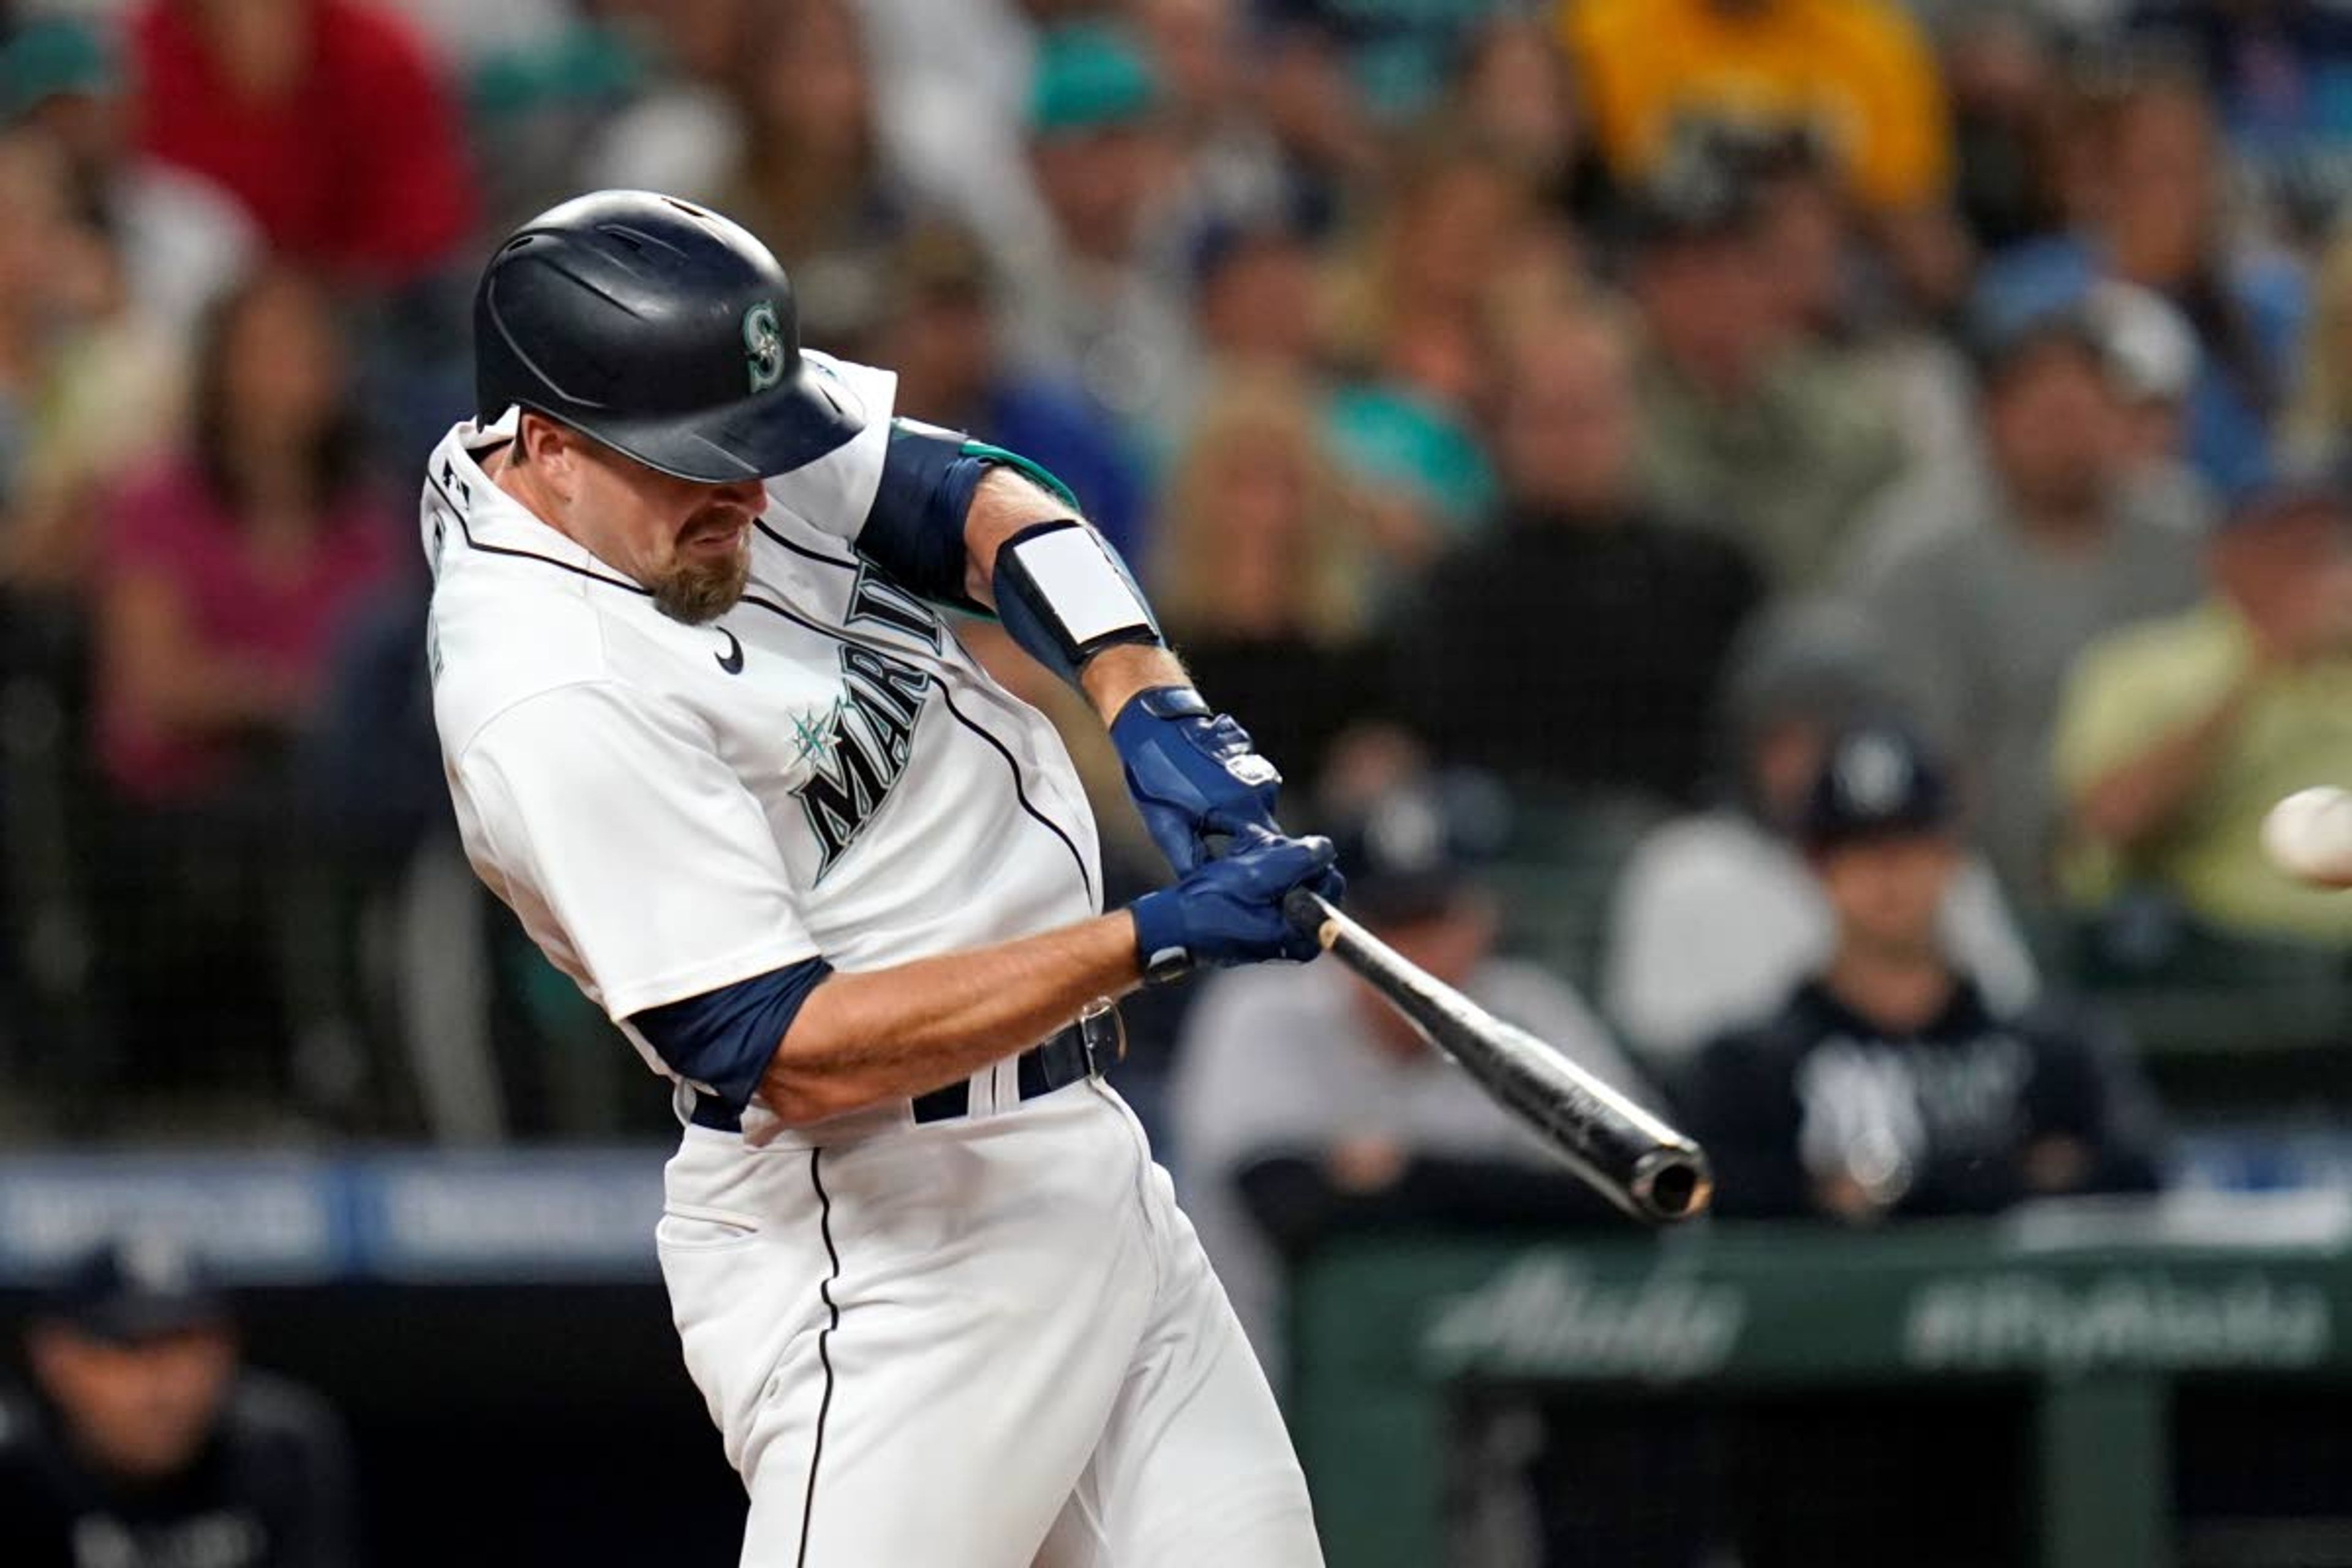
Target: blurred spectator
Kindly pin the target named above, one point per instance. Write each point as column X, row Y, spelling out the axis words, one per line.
column 1411, row 319
column 2280, row 72
column 144, row 1442
column 1513, row 99
column 89, row 388
column 2175, row 736
column 1985, row 604
column 2316, row 421
column 1747, row 425
column 2152, row 359
column 1716, row 917
column 1230, row 161
column 1856, row 70
column 953, row 86
column 1257, row 296
column 1396, row 54
column 325, row 118
column 2000, row 67
column 1260, row 576
column 1888, row 1084
column 797, row 162
column 1084, row 303
column 1303, row 1102
column 181, row 238
column 2149, row 206
column 940, row 332
column 682, row 128
column 1579, row 641
column 229, row 574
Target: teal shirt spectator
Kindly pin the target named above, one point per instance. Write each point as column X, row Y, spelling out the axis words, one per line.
column 1393, row 438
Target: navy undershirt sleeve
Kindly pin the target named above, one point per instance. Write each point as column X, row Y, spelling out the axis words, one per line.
column 724, row 1038
column 914, row 530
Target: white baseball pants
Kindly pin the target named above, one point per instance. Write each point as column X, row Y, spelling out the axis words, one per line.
column 989, row 1342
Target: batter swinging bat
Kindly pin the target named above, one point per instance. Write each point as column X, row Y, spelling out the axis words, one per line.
column 1640, row 1164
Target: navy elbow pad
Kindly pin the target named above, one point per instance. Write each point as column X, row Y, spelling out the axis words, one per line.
column 722, row 1039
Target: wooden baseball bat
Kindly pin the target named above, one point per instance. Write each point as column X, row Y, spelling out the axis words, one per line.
column 1640, row 1164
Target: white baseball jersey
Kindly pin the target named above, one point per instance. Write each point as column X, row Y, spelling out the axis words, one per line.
column 990, row 1340
column 824, row 770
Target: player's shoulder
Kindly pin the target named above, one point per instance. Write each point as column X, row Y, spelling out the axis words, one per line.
column 833, row 494
column 497, row 639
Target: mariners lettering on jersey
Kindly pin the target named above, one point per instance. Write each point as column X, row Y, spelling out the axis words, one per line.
column 859, row 750
column 876, row 599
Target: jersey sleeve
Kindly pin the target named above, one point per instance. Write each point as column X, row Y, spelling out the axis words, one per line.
column 834, row 494
column 632, row 852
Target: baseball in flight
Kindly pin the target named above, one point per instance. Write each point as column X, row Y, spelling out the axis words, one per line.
column 2309, row 836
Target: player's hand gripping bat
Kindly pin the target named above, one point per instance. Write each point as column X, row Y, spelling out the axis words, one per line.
column 1638, row 1162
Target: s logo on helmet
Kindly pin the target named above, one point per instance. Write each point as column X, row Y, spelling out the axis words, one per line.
column 764, row 345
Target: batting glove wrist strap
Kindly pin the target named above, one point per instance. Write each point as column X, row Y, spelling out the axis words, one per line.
column 1193, row 775
column 1230, row 910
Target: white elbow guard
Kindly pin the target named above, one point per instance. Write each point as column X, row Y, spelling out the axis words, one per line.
column 1064, row 595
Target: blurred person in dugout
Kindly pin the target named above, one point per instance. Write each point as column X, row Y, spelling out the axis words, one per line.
column 1717, row 916
column 1750, row 422
column 1578, row 644
column 228, row 574
column 1984, row 602
column 1888, row 1084
column 1305, row 1105
column 142, row 1442
column 2175, row 736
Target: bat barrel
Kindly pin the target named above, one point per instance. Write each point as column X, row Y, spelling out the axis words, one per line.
column 1617, row 1146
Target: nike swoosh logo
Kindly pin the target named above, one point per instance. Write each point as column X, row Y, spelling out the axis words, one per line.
column 732, row 661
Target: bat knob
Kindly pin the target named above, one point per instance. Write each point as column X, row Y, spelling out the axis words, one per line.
column 1304, row 910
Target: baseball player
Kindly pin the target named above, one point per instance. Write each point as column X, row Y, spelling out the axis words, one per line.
column 708, row 736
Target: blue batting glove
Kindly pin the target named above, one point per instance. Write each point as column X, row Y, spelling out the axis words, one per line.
column 1193, row 775
column 1229, row 911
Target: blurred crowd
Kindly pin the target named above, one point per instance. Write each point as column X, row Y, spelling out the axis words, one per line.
column 1590, row 426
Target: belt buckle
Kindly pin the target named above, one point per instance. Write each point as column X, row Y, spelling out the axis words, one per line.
column 1101, row 1029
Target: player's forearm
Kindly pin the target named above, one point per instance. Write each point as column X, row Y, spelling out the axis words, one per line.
column 1005, row 504
column 867, row 1037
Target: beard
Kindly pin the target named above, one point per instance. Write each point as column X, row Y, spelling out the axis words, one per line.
column 698, row 592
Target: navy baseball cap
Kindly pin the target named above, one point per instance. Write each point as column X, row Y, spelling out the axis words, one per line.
column 1877, row 780
column 134, row 1289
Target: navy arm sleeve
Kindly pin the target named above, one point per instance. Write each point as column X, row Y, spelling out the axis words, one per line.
column 724, row 1038
column 914, row 530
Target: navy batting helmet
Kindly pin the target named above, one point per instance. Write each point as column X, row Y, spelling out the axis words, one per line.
column 660, row 329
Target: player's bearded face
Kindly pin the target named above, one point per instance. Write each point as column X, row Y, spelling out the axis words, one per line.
column 710, row 562
column 689, row 544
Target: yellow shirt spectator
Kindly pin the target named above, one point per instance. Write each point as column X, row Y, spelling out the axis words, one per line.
column 2136, row 686
column 1855, row 69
